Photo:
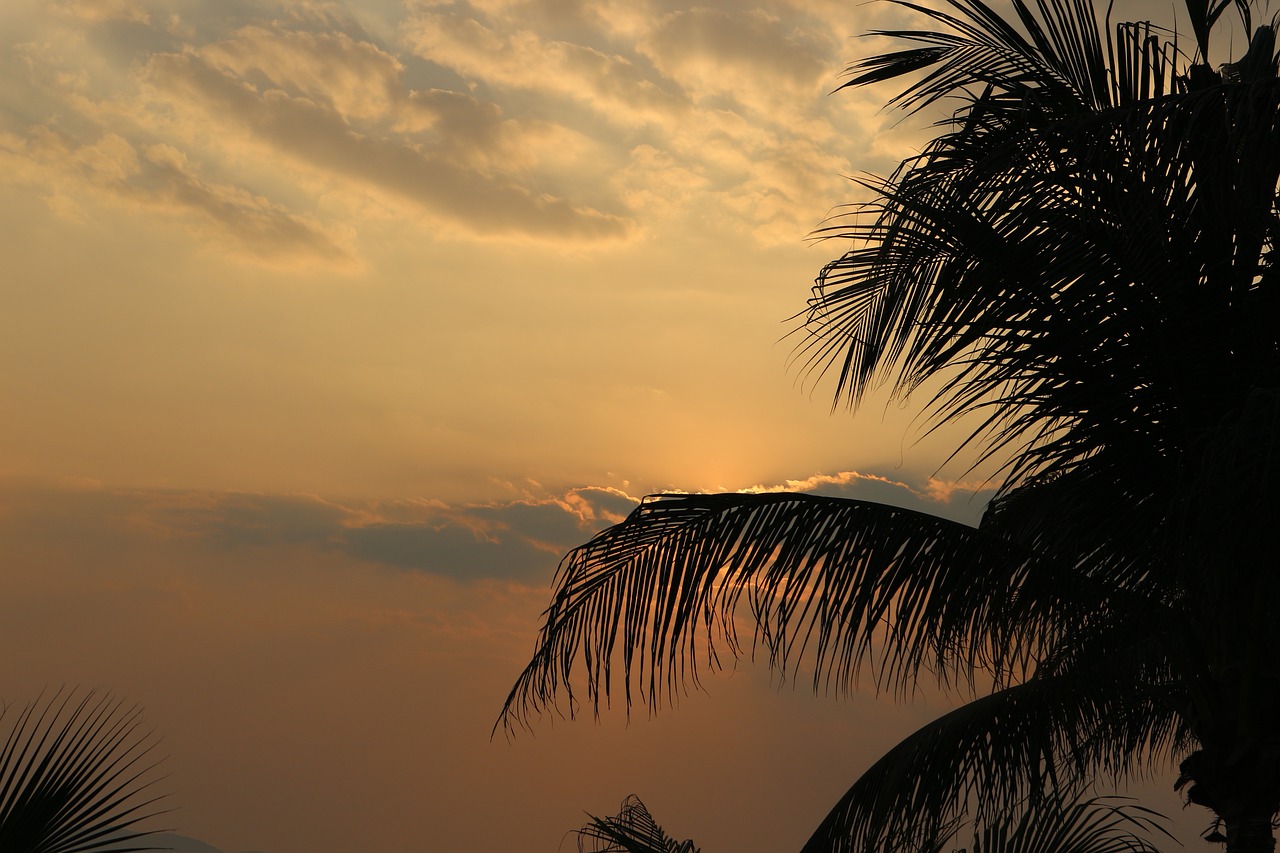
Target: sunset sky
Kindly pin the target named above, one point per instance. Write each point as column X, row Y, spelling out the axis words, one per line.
column 326, row 328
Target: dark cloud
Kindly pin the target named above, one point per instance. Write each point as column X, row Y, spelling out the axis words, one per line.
column 517, row 541
column 738, row 37
column 235, row 519
column 452, row 550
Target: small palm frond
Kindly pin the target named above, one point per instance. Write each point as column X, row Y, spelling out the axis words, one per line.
column 1057, row 65
column 75, row 774
column 849, row 585
column 632, row 830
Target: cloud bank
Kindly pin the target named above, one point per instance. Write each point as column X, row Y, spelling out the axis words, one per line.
column 519, row 540
column 275, row 130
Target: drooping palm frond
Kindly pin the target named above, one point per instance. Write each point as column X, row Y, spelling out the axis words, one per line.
column 1056, row 64
column 848, row 586
column 76, row 773
column 1051, row 733
column 632, row 830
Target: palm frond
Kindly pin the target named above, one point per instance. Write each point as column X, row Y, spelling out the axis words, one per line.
column 846, row 586
column 1077, row 284
column 1023, row 744
column 1058, row 56
column 75, row 776
column 1075, row 825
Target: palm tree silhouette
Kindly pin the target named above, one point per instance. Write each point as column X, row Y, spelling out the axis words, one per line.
column 1084, row 258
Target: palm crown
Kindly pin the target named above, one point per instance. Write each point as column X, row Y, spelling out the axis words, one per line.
column 1085, row 257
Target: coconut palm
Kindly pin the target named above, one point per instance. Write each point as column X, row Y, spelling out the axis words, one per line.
column 1082, row 260
column 75, row 775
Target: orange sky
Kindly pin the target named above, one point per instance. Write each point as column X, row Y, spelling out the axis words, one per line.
column 327, row 327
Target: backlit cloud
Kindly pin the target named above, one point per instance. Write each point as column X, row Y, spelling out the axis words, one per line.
column 958, row 501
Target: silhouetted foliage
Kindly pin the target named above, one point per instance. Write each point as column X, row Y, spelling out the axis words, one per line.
column 75, row 775
column 1069, row 824
column 1084, row 258
column 632, row 830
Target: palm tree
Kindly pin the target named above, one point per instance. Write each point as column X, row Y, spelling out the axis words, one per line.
column 1084, row 259
column 74, row 777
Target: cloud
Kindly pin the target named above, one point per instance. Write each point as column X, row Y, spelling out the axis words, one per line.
column 958, row 501
column 303, row 131
column 722, row 111
column 270, row 136
column 519, row 540
column 548, row 121
column 355, row 78
column 159, row 177
column 132, row 11
column 745, row 55
column 613, row 85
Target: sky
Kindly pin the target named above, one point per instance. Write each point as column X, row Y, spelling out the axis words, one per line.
column 327, row 328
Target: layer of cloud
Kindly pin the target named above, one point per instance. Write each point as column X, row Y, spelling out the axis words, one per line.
column 495, row 119
column 732, row 100
column 518, row 540
column 271, row 133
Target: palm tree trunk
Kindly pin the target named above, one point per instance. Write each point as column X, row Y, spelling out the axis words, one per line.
column 1250, row 834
